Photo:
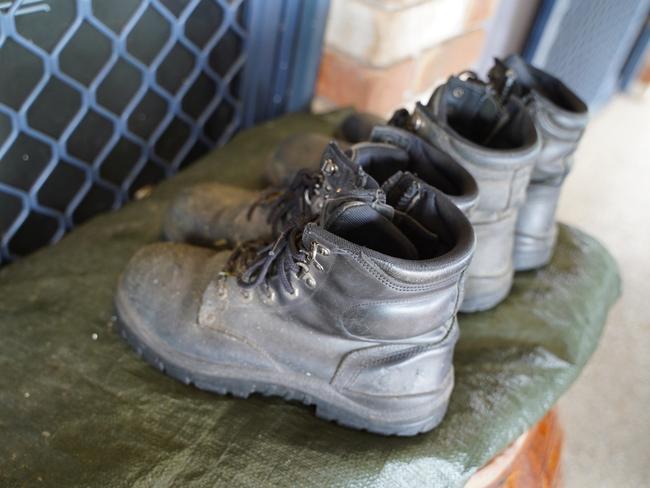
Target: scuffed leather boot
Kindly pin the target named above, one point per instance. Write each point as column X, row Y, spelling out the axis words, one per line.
column 561, row 117
column 498, row 144
column 213, row 212
column 432, row 166
column 355, row 313
column 296, row 152
column 388, row 150
column 208, row 213
column 291, row 157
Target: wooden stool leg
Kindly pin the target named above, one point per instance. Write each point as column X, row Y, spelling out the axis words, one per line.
column 532, row 461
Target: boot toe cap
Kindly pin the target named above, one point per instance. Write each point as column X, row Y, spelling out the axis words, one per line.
column 206, row 213
column 160, row 291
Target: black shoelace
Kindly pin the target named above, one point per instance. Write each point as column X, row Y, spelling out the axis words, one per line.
column 254, row 262
column 294, row 202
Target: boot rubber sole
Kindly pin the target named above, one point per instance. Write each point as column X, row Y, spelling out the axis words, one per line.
column 330, row 404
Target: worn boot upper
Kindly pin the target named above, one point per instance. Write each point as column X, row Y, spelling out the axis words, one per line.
column 356, row 310
column 560, row 117
column 210, row 212
column 559, row 114
column 299, row 151
column 498, row 143
column 431, row 165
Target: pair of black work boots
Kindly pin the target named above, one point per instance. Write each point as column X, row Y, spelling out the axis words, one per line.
column 342, row 288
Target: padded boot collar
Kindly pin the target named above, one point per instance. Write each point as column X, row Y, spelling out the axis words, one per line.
column 432, row 165
column 449, row 220
column 515, row 76
column 444, row 137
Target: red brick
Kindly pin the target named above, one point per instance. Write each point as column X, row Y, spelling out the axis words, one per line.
column 347, row 82
column 479, row 12
column 450, row 57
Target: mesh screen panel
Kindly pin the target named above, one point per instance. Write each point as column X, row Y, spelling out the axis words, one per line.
column 101, row 98
column 586, row 42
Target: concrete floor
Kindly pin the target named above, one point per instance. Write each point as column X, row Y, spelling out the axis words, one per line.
column 606, row 413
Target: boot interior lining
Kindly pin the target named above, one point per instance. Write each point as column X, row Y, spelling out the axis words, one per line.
column 402, row 237
column 477, row 116
column 381, row 165
column 547, row 85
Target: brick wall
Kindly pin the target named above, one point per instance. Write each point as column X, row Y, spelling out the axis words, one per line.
column 382, row 54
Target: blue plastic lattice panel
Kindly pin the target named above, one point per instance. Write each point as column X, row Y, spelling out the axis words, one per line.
column 100, row 98
column 587, row 42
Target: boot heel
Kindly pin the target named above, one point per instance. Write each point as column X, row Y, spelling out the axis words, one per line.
column 400, row 389
column 402, row 416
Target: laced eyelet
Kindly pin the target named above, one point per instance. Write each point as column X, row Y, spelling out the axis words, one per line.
column 268, row 293
column 222, row 292
column 292, row 259
column 317, row 248
column 310, row 281
column 458, row 92
column 330, row 167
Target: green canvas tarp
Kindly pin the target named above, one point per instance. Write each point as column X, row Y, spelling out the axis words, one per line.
column 78, row 408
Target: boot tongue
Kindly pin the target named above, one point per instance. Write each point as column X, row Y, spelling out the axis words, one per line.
column 367, row 223
column 402, row 190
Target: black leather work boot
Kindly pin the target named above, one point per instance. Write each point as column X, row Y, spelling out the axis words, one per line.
column 498, row 144
column 213, row 212
column 302, row 150
column 390, row 149
column 561, row 117
column 354, row 313
column 432, row 166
